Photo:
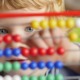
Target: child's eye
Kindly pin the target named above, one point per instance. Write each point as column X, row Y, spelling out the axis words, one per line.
column 3, row 31
column 29, row 29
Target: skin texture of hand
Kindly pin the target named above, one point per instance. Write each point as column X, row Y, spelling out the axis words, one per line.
column 69, row 57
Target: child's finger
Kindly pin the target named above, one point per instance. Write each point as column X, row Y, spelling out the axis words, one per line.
column 38, row 41
column 45, row 34
column 57, row 35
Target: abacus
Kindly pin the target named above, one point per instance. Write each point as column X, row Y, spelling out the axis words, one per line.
column 69, row 23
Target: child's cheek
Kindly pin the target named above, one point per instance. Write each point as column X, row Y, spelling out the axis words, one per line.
column 2, row 45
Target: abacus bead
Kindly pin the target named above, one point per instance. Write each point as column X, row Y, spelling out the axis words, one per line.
column 59, row 65
column 7, row 52
column 78, row 22
column 16, row 52
column 61, row 23
column 42, row 77
column 50, row 51
column 44, row 24
column 73, row 36
column 1, row 53
column 33, row 51
column 24, row 65
column 16, row 66
column 41, row 65
column 7, row 77
column 7, row 38
column 50, row 65
column 1, row 67
column 7, row 66
column 35, row 24
column 50, row 77
column 52, row 23
column 42, row 51
column 17, row 38
column 59, row 77
column 60, row 50
column 16, row 77
column 33, row 78
column 24, row 78
column 1, row 38
column 1, row 78
column 70, row 23
column 33, row 65
column 25, row 52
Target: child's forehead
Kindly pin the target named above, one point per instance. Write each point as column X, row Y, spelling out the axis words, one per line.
column 24, row 20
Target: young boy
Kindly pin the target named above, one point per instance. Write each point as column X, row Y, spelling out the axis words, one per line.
column 21, row 26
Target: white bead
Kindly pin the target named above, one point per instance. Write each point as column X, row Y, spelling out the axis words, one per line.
column 16, row 77
column 1, row 78
column 7, row 77
column 78, row 22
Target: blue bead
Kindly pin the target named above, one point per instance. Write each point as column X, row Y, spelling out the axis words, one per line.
column 7, row 52
column 50, row 65
column 33, row 65
column 41, row 65
column 24, row 65
column 1, row 53
column 59, row 65
column 16, row 52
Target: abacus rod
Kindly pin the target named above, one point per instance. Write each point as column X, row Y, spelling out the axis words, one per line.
column 65, row 13
column 74, row 77
column 71, row 64
column 51, row 37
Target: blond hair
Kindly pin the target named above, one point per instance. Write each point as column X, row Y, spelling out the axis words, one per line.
column 52, row 5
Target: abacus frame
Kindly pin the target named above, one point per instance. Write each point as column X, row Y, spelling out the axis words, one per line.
column 65, row 13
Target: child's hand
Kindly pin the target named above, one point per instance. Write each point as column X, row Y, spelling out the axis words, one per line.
column 68, row 57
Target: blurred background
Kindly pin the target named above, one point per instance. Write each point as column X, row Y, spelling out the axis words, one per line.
column 72, row 4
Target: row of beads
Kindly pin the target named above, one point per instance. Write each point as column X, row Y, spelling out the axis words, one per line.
column 9, row 38
column 49, row 77
column 52, row 23
column 8, row 52
column 17, row 38
column 8, row 66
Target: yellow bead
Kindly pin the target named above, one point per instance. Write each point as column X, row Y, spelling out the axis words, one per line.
column 52, row 23
column 61, row 23
column 70, row 23
column 35, row 24
column 44, row 24
column 73, row 36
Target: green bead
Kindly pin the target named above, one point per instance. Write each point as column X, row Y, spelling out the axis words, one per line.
column 33, row 78
column 7, row 66
column 1, row 67
column 50, row 77
column 24, row 78
column 41, row 78
column 16, row 66
column 59, row 77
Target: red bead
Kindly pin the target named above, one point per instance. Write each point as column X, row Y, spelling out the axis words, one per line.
column 33, row 51
column 17, row 38
column 25, row 52
column 50, row 51
column 1, row 38
column 7, row 38
column 42, row 51
column 60, row 50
